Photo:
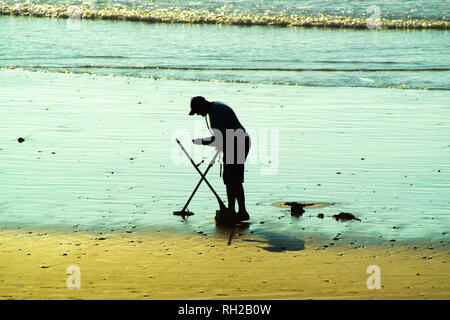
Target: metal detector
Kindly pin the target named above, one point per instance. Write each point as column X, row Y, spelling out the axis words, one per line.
column 184, row 212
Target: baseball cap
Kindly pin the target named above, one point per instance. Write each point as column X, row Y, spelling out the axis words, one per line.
column 196, row 104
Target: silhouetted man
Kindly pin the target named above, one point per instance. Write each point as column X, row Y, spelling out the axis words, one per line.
column 230, row 137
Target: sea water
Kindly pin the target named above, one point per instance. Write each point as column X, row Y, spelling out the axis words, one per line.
column 359, row 117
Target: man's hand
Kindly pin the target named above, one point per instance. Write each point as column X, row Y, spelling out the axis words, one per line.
column 197, row 141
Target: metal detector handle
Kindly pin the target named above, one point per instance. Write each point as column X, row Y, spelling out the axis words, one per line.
column 185, row 152
column 198, row 164
column 192, row 161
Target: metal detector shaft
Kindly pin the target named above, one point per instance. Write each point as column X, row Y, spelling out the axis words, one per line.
column 221, row 204
column 202, row 178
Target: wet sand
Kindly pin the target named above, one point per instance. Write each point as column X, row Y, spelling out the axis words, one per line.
column 96, row 157
column 99, row 155
column 144, row 265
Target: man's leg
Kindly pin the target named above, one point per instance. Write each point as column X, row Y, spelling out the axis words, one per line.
column 240, row 196
column 231, row 195
column 233, row 175
column 238, row 192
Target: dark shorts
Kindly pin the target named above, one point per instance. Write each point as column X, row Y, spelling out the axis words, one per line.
column 233, row 173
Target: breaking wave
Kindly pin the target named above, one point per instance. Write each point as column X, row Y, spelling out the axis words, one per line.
column 205, row 16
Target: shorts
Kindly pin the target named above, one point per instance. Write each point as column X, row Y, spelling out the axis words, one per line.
column 233, row 173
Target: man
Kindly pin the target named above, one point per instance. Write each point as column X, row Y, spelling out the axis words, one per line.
column 230, row 137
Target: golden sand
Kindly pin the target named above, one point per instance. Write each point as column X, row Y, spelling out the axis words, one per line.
column 144, row 265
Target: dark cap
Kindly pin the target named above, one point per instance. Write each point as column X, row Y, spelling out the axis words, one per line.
column 196, row 104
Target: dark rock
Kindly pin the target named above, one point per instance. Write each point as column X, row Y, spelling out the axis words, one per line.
column 20, row 140
column 345, row 216
column 296, row 208
column 320, row 216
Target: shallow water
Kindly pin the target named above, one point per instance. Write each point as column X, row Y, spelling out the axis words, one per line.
column 294, row 56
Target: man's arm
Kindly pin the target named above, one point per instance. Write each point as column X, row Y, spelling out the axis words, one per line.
column 204, row 141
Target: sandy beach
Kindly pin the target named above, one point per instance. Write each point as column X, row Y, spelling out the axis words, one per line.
column 347, row 181
column 93, row 186
column 33, row 265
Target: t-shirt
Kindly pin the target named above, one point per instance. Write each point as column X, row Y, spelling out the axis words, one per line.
column 222, row 117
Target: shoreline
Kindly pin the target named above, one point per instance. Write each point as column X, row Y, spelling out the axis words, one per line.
column 170, row 266
column 278, row 241
column 235, row 82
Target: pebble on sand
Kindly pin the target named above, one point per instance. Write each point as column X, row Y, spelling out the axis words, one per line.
column 345, row 216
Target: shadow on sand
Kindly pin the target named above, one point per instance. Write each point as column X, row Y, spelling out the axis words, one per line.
column 278, row 242
column 274, row 242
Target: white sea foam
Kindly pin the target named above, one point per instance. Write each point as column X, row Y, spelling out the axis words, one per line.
column 205, row 16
